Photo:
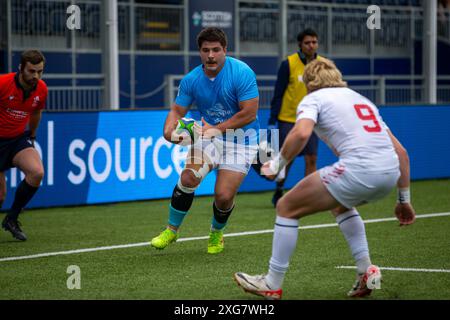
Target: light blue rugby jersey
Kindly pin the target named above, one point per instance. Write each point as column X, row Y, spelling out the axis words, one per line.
column 218, row 100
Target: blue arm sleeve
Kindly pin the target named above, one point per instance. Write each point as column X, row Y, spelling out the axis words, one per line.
column 280, row 86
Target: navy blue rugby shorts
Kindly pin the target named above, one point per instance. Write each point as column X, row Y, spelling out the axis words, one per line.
column 9, row 147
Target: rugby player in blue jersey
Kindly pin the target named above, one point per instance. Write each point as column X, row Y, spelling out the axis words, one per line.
column 225, row 92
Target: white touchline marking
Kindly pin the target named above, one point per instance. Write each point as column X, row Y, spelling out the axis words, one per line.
column 237, row 234
column 400, row 269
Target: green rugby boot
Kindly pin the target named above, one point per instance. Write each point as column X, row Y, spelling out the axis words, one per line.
column 164, row 239
column 215, row 242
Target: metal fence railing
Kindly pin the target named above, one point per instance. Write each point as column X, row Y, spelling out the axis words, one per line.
column 73, row 96
column 147, row 27
column 339, row 25
column 161, row 27
column 80, row 98
column 151, row 28
column 382, row 90
column 42, row 24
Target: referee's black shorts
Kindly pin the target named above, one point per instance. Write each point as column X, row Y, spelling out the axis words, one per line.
column 313, row 142
column 9, row 147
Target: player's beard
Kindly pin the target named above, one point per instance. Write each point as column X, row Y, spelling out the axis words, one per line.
column 31, row 82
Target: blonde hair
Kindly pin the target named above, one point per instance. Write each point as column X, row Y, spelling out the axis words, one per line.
column 322, row 73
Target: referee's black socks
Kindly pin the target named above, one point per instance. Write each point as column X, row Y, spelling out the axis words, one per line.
column 24, row 193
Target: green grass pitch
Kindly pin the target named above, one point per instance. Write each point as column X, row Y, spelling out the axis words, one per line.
column 185, row 271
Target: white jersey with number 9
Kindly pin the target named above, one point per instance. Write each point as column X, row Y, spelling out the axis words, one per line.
column 352, row 127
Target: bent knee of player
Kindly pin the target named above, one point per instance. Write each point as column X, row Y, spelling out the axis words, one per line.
column 35, row 175
column 224, row 199
column 286, row 210
column 282, row 208
column 339, row 210
column 188, row 179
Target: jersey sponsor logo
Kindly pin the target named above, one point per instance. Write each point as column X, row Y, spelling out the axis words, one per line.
column 219, row 113
column 35, row 102
column 16, row 114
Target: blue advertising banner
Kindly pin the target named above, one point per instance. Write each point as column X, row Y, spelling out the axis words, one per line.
column 105, row 157
column 218, row 14
column 131, row 160
column 122, row 156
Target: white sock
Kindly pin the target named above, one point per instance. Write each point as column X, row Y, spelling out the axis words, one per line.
column 284, row 242
column 354, row 232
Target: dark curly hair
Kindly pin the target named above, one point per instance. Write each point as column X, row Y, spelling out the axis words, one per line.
column 212, row 34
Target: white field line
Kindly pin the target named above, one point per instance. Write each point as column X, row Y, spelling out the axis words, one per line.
column 400, row 269
column 238, row 234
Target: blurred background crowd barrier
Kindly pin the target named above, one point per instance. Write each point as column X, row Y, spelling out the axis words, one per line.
column 156, row 41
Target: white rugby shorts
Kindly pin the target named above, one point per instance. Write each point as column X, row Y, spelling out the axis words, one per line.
column 226, row 155
column 352, row 188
